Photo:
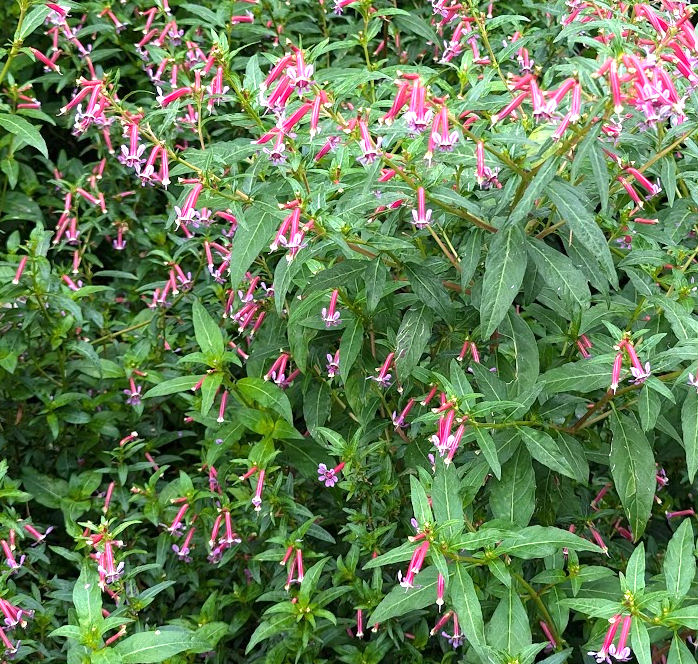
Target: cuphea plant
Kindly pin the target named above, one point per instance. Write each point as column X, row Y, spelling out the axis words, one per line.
column 354, row 332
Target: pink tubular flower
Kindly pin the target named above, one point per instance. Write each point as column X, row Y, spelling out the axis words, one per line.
column 329, row 475
column 332, row 364
column 177, row 524
column 603, row 654
column 486, row 177
column 415, row 566
column 622, row 653
column 257, row 498
column 359, row 624
column 369, row 148
column 301, row 74
column 440, row 136
column 109, row 571
column 651, row 189
column 10, row 648
column 440, row 591
column 20, row 269
column 418, row 116
column 441, row 622
column 399, row 420
column 615, row 374
column 10, row 559
column 13, row 614
column 383, row 377
column 330, row 315
column 680, row 513
column 166, row 100
column 183, row 551
column 421, row 217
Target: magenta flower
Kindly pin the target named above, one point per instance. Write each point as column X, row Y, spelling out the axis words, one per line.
column 421, row 217
column 330, row 315
column 332, row 364
column 329, row 475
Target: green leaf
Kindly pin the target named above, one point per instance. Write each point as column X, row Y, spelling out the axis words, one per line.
column 255, row 229
column 483, row 537
column 573, row 451
column 469, row 255
column 581, row 222
column 593, row 606
column 679, row 652
column 32, row 21
column 339, row 274
column 350, row 346
column 679, row 561
column 513, row 496
column 399, row 601
column 583, row 376
column 317, row 405
column 429, row 289
column 648, row 407
column 266, row 394
column 525, row 351
column 25, row 131
column 467, row 606
column 374, row 277
column 106, row 656
column 446, row 500
column 640, row 642
column 504, row 271
column 633, row 471
column 489, row 450
column 155, row 646
column 400, row 555
column 540, row 541
column 533, row 191
column 209, row 389
column 560, row 274
column 412, row 338
column 686, row 616
column 208, row 334
column 599, row 170
column 275, row 625
column 509, row 628
column 635, row 570
column 420, row 502
column 545, row 450
column 689, row 424
column 172, row 386
column 87, row 597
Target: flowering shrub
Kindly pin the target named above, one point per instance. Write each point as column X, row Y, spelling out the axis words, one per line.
column 359, row 333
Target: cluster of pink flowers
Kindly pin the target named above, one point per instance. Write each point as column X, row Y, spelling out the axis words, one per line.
column 639, row 372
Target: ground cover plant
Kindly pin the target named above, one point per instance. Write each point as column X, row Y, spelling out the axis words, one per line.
column 357, row 332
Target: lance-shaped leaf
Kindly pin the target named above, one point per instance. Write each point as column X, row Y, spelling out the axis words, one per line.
column 633, row 471
column 350, row 347
column 255, row 229
column 504, row 271
column 208, row 334
column 412, row 339
column 87, row 597
column 399, row 601
column 25, row 131
column 266, row 394
column 581, row 222
column 420, row 502
column 154, row 646
column 172, row 386
column 467, row 606
column 560, row 274
column 429, row 289
column 446, row 500
column 543, row 448
column 689, row 424
column 513, row 497
column 509, row 628
column 679, row 562
column 540, row 541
